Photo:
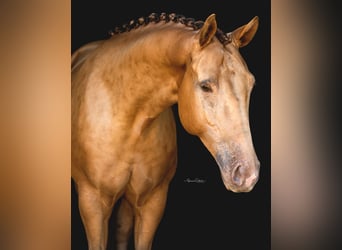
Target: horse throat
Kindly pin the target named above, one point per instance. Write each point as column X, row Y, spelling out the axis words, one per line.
column 151, row 97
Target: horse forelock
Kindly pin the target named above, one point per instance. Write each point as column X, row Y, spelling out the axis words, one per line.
column 166, row 18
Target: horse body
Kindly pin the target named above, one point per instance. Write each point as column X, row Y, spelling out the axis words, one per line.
column 123, row 130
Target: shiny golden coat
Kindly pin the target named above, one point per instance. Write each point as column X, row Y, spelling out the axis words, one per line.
column 123, row 130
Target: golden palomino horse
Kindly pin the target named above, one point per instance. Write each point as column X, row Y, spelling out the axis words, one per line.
column 123, row 129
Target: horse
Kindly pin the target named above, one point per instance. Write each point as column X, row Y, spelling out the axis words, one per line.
column 124, row 144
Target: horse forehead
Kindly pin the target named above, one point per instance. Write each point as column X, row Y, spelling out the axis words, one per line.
column 212, row 53
column 220, row 60
column 208, row 60
column 234, row 58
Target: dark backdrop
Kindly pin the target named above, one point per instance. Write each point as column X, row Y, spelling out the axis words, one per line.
column 199, row 216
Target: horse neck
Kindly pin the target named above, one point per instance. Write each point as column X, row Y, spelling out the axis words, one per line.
column 147, row 69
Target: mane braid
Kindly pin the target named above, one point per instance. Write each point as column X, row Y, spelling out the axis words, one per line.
column 163, row 17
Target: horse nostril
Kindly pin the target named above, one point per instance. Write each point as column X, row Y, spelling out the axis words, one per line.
column 237, row 175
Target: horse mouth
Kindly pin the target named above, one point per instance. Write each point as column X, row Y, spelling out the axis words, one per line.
column 237, row 185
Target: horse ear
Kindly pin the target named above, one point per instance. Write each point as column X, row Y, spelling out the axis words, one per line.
column 243, row 35
column 207, row 31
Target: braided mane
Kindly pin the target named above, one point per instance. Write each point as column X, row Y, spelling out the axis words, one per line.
column 163, row 17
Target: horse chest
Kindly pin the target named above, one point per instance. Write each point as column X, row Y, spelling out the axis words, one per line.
column 153, row 162
column 136, row 173
column 149, row 172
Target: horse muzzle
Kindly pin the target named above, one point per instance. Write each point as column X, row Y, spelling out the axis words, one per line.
column 238, row 174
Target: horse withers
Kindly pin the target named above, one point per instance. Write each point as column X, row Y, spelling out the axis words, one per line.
column 123, row 129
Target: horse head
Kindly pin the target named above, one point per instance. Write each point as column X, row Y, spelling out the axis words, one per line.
column 213, row 102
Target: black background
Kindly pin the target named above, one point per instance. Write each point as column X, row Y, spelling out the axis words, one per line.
column 199, row 216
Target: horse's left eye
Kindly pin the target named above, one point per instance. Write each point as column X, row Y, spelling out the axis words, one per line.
column 206, row 86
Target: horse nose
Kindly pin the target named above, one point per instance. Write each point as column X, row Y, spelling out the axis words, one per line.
column 244, row 177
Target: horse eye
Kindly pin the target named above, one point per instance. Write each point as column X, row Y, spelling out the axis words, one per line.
column 206, row 87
